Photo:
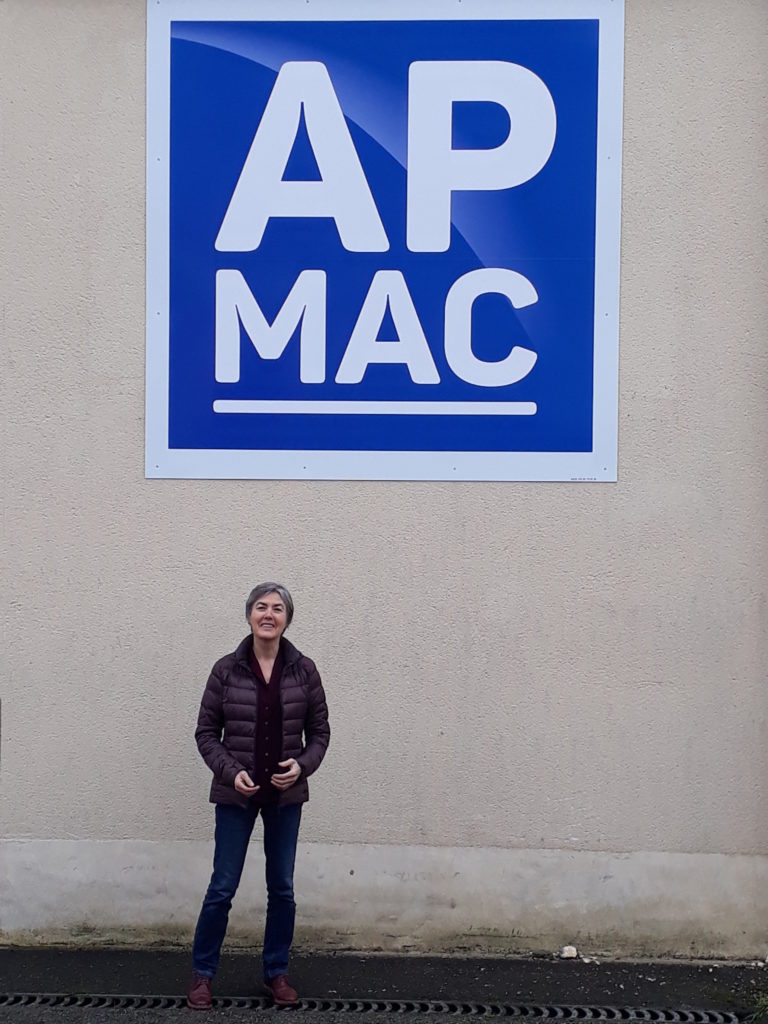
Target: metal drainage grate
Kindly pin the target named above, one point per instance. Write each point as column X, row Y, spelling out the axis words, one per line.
column 420, row 1006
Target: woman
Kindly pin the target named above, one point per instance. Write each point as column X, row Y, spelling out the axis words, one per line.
column 257, row 703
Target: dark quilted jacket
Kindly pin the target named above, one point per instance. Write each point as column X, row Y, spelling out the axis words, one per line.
column 226, row 725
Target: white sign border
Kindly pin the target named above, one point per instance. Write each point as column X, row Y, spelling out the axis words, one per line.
column 597, row 465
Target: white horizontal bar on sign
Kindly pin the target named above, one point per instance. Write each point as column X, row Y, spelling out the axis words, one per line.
column 233, row 405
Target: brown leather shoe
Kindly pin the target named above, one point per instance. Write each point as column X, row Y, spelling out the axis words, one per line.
column 282, row 993
column 199, row 997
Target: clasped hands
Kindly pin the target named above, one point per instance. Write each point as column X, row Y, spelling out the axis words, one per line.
column 280, row 780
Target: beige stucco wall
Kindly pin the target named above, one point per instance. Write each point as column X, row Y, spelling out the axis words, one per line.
column 512, row 668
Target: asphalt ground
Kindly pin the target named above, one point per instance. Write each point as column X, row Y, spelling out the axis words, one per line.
column 510, row 980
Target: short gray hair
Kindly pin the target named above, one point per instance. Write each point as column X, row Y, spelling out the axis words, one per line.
column 271, row 588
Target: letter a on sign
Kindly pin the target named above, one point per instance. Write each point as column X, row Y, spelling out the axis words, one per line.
column 342, row 193
column 388, row 291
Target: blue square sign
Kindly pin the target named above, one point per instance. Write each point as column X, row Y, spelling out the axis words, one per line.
column 383, row 238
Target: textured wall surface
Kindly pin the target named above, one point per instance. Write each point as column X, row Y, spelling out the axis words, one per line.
column 530, row 667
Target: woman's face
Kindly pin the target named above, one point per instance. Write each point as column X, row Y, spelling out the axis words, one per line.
column 268, row 617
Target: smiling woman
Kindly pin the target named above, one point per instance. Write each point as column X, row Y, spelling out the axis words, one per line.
column 262, row 729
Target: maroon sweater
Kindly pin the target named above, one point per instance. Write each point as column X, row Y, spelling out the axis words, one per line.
column 268, row 738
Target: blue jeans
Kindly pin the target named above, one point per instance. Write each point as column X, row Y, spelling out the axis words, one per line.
column 234, row 826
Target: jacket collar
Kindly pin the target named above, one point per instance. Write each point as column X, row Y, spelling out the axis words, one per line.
column 290, row 653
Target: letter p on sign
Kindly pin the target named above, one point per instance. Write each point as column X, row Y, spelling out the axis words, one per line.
column 436, row 170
